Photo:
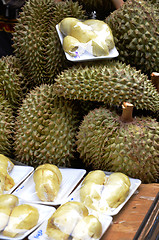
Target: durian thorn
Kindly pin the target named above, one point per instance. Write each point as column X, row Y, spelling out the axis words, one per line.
column 127, row 112
column 117, row 3
column 155, row 79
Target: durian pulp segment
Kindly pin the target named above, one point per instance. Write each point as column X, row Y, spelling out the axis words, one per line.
column 8, row 200
column 2, row 183
column 23, row 218
column 4, row 216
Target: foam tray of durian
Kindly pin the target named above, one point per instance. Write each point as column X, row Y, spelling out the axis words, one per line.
column 12, row 175
column 72, row 220
column 99, row 196
column 18, row 218
column 91, row 39
column 70, row 179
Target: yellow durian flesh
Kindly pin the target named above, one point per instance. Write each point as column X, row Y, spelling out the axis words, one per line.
column 23, row 217
column 53, row 168
column 67, row 24
column 5, row 212
column 82, row 32
column 116, row 190
column 46, row 184
column 103, row 32
column 5, row 163
column 66, row 216
column 9, row 182
column 96, row 176
column 8, row 200
column 2, row 183
column 72, row 46
column 88, row 227
column 56, row 234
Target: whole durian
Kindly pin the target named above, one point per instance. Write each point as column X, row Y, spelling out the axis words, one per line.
column 124, row 144
column 45, row 129
column 11, row 81
column 6, row 127
column 36, row 42
column 110, row 82
column 135, row 29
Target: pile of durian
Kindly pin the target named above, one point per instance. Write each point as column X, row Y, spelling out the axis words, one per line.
column 70, row 114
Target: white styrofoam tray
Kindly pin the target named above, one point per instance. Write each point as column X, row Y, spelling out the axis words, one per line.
column 135, row 183
column 70, row 178
column 86, row 56
column 44, row 213
column 19, row 174
column 40, row 234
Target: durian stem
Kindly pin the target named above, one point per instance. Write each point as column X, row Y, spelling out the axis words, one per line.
column 117, row 3
column 127, row 112
column 155, row 80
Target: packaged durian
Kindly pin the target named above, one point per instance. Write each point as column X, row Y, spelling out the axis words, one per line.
column 6, row 181
column 47, row 178
column 73, row 221
column 19, row 218
column 86, row 39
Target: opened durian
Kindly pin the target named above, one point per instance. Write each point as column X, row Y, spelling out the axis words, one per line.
column 45, row 129
column 135, row 30
column 6, row 127
column 36, row 42
column 110, row 82
column 124, row 144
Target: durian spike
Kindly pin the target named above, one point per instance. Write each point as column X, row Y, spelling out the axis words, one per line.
column 127, row 112
column 155, row 80
column 117, row 3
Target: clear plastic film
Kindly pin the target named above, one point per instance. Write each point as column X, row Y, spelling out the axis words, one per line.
column 6, row 181
column 93, row 36
column 73, row 221
column 47, row 178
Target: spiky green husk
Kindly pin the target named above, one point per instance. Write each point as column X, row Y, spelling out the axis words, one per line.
column 11, row 81
column 45, row 129
column 111, row 82
column 104, row 142
column 36, row 41
column 135, row 32
column 6, row 127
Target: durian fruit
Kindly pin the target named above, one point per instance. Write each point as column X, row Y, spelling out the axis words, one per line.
column 45, row 129
column 135, row 32
column 47, row 178
column 66, row 217
column 22, row 218
column 89, row 227
column 6, row 127
column 110, row 82
column 7, row 203
column 11, row 81
column 124, row 144
column 36, row 42
column 71, row 45
column 67, row 24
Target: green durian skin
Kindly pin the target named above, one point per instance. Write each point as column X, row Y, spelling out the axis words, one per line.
column 111, row 82
column 45, row 129
column 6, row 127
column 105, row 142
column 36, row 41
column 135, row 29
column 11, row 81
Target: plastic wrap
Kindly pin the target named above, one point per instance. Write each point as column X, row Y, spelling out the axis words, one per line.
column 91, row 37
column 105, row 192
column 44, row 187
column 19, row 218
column 72, row 220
